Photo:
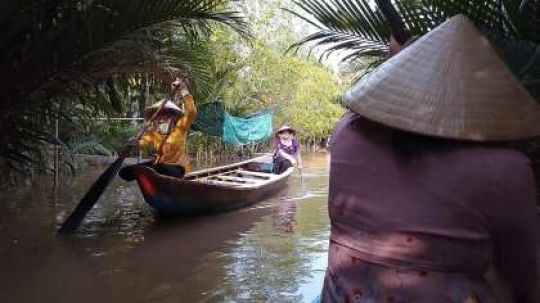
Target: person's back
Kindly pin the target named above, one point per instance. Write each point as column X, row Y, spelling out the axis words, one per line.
column 424, row 225
column 421, row 201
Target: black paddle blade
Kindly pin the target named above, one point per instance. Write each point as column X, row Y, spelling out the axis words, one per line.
column 397, row 26
column 91, row 197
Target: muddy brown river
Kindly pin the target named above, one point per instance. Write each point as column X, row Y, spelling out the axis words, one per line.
column 274, row 251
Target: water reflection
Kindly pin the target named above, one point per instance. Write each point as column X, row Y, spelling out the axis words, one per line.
column 267, row 265
column 283, row 217
column 272, row 252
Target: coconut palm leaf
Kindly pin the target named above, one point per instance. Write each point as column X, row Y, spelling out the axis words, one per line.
column 358, row 30
column 354, row 27
column 59, row 55
column 359, row 26
column 69, row 151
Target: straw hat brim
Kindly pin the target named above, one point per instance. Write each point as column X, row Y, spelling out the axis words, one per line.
column 169, row 109
column 285, row 128
column 451, row 84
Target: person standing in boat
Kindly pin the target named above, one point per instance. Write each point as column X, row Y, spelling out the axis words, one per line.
column 287, row 150
column 166, row 136
column 422, row 199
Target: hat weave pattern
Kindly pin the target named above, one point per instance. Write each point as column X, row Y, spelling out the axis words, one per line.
column 450, row 83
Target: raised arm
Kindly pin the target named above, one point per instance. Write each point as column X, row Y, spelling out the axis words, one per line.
column 190, row 114
column 189, row 105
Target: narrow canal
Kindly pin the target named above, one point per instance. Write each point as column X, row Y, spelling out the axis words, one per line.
column 274, row 251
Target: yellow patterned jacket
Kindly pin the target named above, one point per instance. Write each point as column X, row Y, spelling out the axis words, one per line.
column 173, row 151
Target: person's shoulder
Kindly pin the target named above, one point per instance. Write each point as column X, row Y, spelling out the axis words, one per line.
column 503, row 156
column 502, row 162
column 348, row 119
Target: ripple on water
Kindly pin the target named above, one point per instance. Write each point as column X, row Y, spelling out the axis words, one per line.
column 274, row 251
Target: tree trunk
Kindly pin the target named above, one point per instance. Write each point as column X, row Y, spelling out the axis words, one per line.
column 145, row 94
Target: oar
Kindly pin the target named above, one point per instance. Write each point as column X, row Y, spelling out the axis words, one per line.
column 299, row 164
column 97, row 189
column 523, row 4
column 397, row 26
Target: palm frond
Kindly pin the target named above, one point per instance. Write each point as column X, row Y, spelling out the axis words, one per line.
column 59, row 56
column 358, row 29
column 70, row 151
column 350, row 26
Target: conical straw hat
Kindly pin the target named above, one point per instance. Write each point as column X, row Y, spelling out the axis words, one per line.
column 450, row 83
column 284, row 128
column 169, row 107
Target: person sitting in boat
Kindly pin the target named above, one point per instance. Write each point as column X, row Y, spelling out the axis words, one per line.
column 166, row 136
column 287, row 152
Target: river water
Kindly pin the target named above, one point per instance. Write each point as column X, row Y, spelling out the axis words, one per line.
column 274, row 251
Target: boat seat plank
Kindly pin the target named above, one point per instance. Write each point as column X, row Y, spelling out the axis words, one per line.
column 231, row 178
column 218, row 182
column 239, row 174
column 208, row 174
column 231, row 174
column 257, row 174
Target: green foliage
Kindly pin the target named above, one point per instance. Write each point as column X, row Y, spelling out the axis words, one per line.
column 58, row 58
column 300, row 91
column 69, row 163
column 262, row 75
column 114, row 134
column 358, row 30
column 87, row 59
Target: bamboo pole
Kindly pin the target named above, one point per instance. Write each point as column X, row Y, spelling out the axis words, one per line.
column 56, row 152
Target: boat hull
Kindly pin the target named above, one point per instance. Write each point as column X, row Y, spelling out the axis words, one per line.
column 189, row 196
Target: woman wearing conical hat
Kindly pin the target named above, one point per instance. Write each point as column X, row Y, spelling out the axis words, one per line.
column 166, row 136
column 286, row 150
column 422, row 200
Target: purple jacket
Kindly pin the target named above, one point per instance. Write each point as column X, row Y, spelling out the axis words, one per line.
column 291, row 150
column 424, row 227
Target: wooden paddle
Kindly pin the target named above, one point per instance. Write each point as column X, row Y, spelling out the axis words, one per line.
column 299, row 164
column 397, row 26
column 97, row 189
column 523, row 5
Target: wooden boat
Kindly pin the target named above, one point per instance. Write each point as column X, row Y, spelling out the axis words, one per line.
column 211, row 190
